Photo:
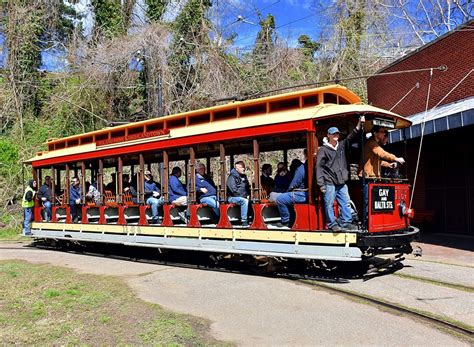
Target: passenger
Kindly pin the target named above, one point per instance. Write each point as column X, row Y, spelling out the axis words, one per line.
column 28, row 204
column 375, row 157
column 297, row 192
column 282, row 178
column 153, row 196
column 45, row 195
column 266, row 180
column 75, row 199
column 125, row 181
column 93, row 193
column 206, row 190
column 238, row 190
column 112, row 186
column 178, row 194
column 132, row 189
column 295, row 164
column 332, row 175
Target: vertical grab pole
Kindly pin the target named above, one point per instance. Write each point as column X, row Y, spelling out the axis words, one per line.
column 310, row 161
column 256, row 177
column 192, row 175
column 83, row 182
column 365, row 199
column 166, row 170
column 119, row 180
column 141, row 180
column 100, row 180
column 66, row 191
column 53, row 187
column 222, row 190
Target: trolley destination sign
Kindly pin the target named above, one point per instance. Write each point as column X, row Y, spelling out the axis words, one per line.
column 383, row 198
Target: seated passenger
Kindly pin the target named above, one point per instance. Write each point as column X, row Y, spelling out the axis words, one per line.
column 45, row 195
column 282, row 178
column 238, row 190
column 93, row 193
column 297, row 192
column 112, row 186
column 178, row 194
column 125, row 181
column 206, row 190
column 153, row 196
column 75, row 199
column 266, row 180
column 332, row 175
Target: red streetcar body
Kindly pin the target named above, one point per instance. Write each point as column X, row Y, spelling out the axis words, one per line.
column 387, row 207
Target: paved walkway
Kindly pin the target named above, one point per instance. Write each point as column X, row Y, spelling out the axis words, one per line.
column 252, row 310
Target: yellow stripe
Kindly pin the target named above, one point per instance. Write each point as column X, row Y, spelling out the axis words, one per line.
column 209, row 233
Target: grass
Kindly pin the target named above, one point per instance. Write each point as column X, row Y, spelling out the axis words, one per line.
column 46, row 305
column 11, row 234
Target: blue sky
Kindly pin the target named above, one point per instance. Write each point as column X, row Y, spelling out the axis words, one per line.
column 293, row 18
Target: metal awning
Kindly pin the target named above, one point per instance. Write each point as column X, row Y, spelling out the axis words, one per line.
column 455, row 115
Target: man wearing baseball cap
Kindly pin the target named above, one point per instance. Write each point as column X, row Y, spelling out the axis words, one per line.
column 332, row 175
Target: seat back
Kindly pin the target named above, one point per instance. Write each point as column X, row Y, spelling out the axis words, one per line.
column 109, row 198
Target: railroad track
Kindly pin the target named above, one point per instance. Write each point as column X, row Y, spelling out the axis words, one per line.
column 319, row 281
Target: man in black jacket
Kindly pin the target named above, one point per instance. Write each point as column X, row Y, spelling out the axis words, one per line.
column 238, row 190
column 332, row 175
column 45, row 195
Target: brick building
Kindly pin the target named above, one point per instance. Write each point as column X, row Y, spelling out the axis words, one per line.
column 444, row 190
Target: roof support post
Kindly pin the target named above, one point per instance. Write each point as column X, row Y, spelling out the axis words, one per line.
column 83, row 182
column 100, row 180
column 256, row 172
column 141, row 180
column 310, row 148
column 53, row 187
column 119, row 180
column 192, row 175
column 166, row 171
column 222, row 173
column 66, row 191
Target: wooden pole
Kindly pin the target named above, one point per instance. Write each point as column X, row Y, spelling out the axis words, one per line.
column 119, row 180
column 83, row 182
column 192, row 175
column 141, row 181
column 166, row 170
column 310, row 160
column 222, row 190
column 100, row 180
column 256, row 171
column 66, row 191
column 53, row 188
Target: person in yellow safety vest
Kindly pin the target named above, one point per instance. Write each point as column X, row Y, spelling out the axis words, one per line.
column 28, row 204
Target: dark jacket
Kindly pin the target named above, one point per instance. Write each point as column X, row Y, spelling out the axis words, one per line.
column 29, row 195
column 74, row 193
column 205, row 182
column 267, row 183
column 150, row 187
column 176, row 188
column 282, row 183
column 237, row 185
column 45, row 192
column 300, row 179
column 331, row 164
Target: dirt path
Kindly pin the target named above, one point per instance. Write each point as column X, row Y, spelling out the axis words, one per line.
column 251, row 310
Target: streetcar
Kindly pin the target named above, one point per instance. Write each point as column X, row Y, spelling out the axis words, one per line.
column 217, row 136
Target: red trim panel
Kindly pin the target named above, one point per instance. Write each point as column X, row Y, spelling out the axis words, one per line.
column 183, row 141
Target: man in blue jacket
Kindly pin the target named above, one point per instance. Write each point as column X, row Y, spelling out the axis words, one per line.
column 297, row 194
column 178, row 194
column 206, row 190
column 238, row 190
column 75, row 199
column 152, row 195
column 45, row 195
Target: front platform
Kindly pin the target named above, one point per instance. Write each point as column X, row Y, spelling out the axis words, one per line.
column 287, row 244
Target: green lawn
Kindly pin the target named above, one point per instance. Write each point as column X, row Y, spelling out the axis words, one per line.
column 45, row 305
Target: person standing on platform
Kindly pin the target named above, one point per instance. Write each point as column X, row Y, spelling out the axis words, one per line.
column 28, row 204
